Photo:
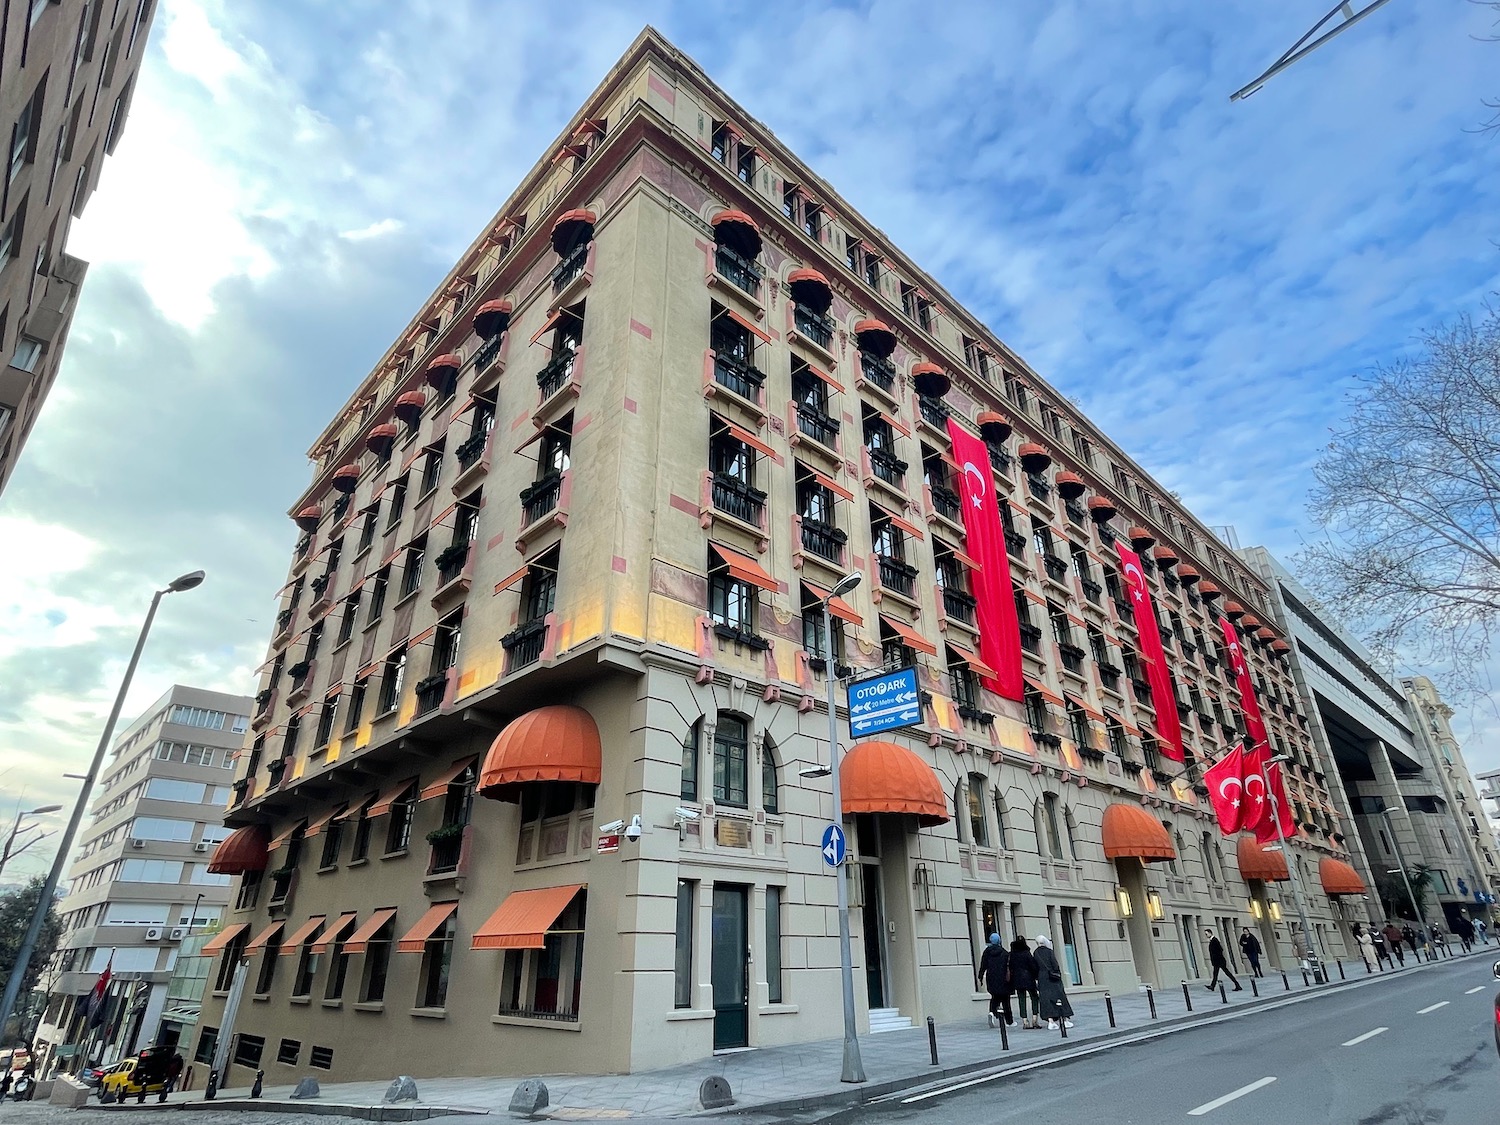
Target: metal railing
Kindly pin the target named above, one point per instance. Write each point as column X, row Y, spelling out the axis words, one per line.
column 739, row 270
column 946, row 503
column 550, row 379
column 897, row 575
column 738, row 499
column 933, row 411
column 470, row 451
column 523, row 644
column 888, row 467
column 738, row 376
column 879, row 371
column 960, row 605
column 815, row 326
column 568, row 270
column 823, row 540
column 817, row 425
column 540, row 497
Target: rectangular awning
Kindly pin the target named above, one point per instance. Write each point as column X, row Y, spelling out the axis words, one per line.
column 354, row 809
column 220, row 941
column 914, row 640
column 552, row 318
column 829, row 483
column 524, row 918
column 334, row 813
column 745, row 568
column 265, row 937
column 748, row 325
column 303, row 933
column 979, row 666
column 895, row 424
column 334, row 932
column 905, row 525
column 823, row 376
column 416, row 938
column 359, row 941
column 968, row 560
column 1044, row 691
column 838, row 606
column 739, row 433
column 390, row 797
column 439, row 786
column 285, row 836
column 511, row 579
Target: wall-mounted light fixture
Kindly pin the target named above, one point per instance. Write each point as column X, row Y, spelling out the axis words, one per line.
column 1275, row 910
column 1154, row 906
column 1256, row 910
column 1123, row 903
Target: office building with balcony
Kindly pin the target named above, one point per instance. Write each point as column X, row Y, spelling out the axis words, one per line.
column 139, row 885
column 67, row 72
column 560, row 565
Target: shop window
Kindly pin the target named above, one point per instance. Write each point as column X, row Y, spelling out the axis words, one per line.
column 547, row 983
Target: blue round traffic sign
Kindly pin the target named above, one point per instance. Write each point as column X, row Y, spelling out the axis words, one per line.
column 835, row 846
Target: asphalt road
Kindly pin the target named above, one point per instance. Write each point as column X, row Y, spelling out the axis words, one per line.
column 1417, row 1047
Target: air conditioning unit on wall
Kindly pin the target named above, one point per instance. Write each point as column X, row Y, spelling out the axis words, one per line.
column 138, row 843
column 201, row 846
column 153, row 933
column 178, row 933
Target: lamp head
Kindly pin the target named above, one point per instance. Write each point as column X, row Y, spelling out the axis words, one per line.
column 845, row 584
column 186, row 582
column 42, row 809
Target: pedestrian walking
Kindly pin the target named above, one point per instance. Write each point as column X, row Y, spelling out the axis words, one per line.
column 1366, row 946
column 1410, row 937
column 1053, row 997
column 1393, row 939
column 1465, row 931
column 994, row 973
column 1382, row 954
column 1300, row 948
column 1484, row 931
column 1219, row 962
column 1439, row 940
column 1023, row 981
column 1250, row 947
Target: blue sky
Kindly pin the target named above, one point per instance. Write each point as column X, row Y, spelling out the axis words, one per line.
column 1201, row 277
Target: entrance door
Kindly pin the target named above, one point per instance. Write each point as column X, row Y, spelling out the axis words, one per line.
column 1189, row 949
column 729, row 967
column 1070, row 946
column 874, row 935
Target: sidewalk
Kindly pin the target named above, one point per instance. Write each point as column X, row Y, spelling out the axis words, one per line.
column 804, row 1075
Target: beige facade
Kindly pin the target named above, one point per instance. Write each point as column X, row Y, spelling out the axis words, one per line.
column 623, row 489
column 67, row 72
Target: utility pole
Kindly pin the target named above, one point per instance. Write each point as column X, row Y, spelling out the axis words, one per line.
column 1302, row 48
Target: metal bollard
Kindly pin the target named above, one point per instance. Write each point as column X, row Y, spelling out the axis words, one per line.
column 1109, row 1009
column 1304, row 978
column 1223, row 994
column 1284, row 982
column 1062, row 1024
column 932, row 1040
column 260, row 1077
column 1254, row 988
column 1340, row 964
column 1187, row 996
column 1004, row 1036
column 211, row 1091
column 1368, row 970
column 1151, row 1001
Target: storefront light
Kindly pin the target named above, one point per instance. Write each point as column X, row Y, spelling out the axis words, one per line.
column 1275, row 911
column 1255, row 909
column 1123, row 903
column 1153, row 905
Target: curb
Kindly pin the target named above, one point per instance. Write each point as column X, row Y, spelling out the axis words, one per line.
column 282, row 1105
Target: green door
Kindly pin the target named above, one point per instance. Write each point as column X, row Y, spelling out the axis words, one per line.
column 729, row 968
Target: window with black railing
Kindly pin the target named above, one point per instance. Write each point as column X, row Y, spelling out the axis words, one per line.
column 445, row 642
column 1150, row 753
column 481, row 422
column 447, row 839
column 1085, row 571
column 811, row 396
column 391, row 682
column 555, row 375
column 733, row 466
column 1116, row 591
column 933, row 411
column 894, row 652
column 452, row 559
column 814, row 325
column 962, row 682
column 540, row 497
column 734, row 356
column 1067, row 645
column 524, row 643
column 1037, row 485
column 879, row 371
column 738, row 270
column 733, row 605
column 880, row 440
column 1015, row 542
column 1036, row 713
column 1031, row 632
column 1078, row 727
column 432, row 469
column 570, row 267
column 890, row 549
column 945, row 501
column 814, row 640
column 953, row 580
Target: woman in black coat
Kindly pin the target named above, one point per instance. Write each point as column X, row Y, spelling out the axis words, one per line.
column 993, row 964
column 1023, row 980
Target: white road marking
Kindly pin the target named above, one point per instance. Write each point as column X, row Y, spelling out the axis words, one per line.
column 1471, row 991
column 1432, row 1007
column 1209, row 1107
column 1358, row 1039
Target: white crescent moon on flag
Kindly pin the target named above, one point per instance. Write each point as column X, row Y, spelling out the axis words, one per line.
column 1255, row 777
column 1132, row 569
column 1226, row 783
column 979, row 481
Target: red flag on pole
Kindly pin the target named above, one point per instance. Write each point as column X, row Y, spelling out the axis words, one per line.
column 1226, row 790
column 1249, row 705
column 94, row 1005
column 1257, row 808
column 1163, row 701
column 999, row 630
column 1267, row 831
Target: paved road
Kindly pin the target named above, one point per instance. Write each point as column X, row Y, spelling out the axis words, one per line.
column 1418, row 1048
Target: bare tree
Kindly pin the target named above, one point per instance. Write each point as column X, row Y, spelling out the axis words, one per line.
column 1409, row 493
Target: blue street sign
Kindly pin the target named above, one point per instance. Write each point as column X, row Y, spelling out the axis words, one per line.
column 884, row 702
column 835, row 847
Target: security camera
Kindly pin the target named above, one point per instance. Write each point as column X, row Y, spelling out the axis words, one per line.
column 633, row 829
column 685, row 814
column 611, row 828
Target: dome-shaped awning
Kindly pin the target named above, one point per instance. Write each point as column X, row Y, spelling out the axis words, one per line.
column 875, row 337
column 1034, row 458
column 1187, row 574
column 346, row 477
column 410, row 405
column 1338, row 878
column 993, row 426
column 1069, row 484
column 738, row 231
column 1140, row 538
column 1102, row 509
column 1208, row 590
column 1131, row 832
column 573, row 229
column 1166, row 557
column 1250, row 623
column 1269, row 867
column 492, row 318
column 442, row 370
column 380, row 439
column 244, row 849
column 556, row 743
column 307, row 519
column 930, row 380
column 810, row 289
column 1232, row 609
column 881, row 777
column 1265, row 635
column 1280, row 648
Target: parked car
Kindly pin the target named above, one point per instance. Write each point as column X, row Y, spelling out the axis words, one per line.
column 145, row 1073
column 90, row 1075
column 1497, row 1010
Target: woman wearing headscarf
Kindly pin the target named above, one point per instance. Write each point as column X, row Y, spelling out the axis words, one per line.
column 1023, row 980
column 993, row 964
column 1054, row 1000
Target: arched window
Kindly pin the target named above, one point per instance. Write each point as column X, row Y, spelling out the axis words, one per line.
column 691, row 745
column 1072, row 827
column 1172, row 834
column 1210, row 859
column 979, row 829
column 768, row 796
column 1053, row 838
column 731, row 761
column 1000, row 841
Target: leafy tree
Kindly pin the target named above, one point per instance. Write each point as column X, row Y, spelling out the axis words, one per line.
column 1408, row 491
column 16, row 909
column 1394, row 900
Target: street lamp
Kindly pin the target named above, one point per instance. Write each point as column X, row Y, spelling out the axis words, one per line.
column 15, row 827
column 1401, row 860
column 1291, row 870
column 49, row 889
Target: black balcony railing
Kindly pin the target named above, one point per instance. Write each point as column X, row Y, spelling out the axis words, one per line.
column 946, row 503
column 933, row 411
column 488, row 351
column 304, row 545
column 1031, row 637
column 471, row 450
column 1057, row 567
column 888, row 467
column 817, row 425
column 1072, row 657
column 283, row 621
column 450, row 563
column 1092, row 590
column 999, row 458
column 1015, row 543
column 540, row 497
column 960, row 605
column 738, row 269
column 738, row 376
column 898, row 576
column 567, row 270
column 1124, row 609
column 430, row 693
column 550, row 379
column 823, row 540
column 447, row 849
column 740, row 500
column 1109, row 677
column 879, row 371
column 523, row 644
column 1038, row 487
column 1075, row 511
column 815, row 326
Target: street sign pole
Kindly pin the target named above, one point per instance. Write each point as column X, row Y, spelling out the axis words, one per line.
column 854, row 1067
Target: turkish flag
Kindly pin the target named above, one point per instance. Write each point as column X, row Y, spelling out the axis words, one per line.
column 999, row 630
column 1257, row 808
column 1163, row 701
column 1226, row 790
column 95, row 1001
column 1267, row 830
column 1249, row 705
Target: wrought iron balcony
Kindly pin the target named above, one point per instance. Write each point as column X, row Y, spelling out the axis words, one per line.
column 823, row 540
column 959, row 605
column 1015, row 543
column 1031, row 638
column 1092, row 590
column 888, row 467
column 470, row 450
column 488, row 351
column 1075, row 511
column 1072, row 656
column 447, row 845
column 738, row 499
column 540, row 497
column 933, row 410
column 946, row 503
column 1057, row 567
column 815, row 326
column 739, row 270
column 879, row 371
column 738, row 376
column 999, row 458
column 450, row 563
column 523, row 644
column 897, row 575
column 1038, row 487
column 569, row 269
column 430, row 693
column 550, row 379
column 817, row 425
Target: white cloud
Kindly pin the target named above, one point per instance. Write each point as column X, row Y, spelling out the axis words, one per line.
column 374, row 230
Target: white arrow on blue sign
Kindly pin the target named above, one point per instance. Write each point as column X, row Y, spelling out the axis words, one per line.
column 884, row 702
column 835, row 847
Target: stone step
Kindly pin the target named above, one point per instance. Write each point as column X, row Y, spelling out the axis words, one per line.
column 888, row 1019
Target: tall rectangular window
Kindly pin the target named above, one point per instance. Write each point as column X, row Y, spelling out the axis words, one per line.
column 437, row 958
column 731, row 761
column 391, row 681
column 377, row 965
column 683, row 988
column 773, row 944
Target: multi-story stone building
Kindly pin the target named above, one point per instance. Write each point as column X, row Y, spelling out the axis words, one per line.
column 1402, row 775
column 67, row 71
column 1491, row 793
column 560, row 562
column 139, row 884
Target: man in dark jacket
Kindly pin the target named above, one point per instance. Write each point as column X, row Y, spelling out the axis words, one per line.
column 995, row 976
column 1410, row 937
column 1217, row 959
column 1393, row 941
column 1023, row 982
column 1250, row 947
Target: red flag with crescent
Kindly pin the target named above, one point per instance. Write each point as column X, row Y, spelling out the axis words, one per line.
column 1249, row 705
column 1163, row 701
column 1267, row 830
column 999, row 629
column 1226, row 790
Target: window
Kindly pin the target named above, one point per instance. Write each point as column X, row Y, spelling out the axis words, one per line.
column 307, row 968
column 731, row 761
column 391, row 681
column 150, row 871
column 813, row 638
column 170, row 789
column 320, row 1058
column 773, row 944
column 230, row 961
column 1050, row 826
column 546, row 983
column 377, row 965
column 437, row 958
column 361, row 847
column 683, row 964
column 162, row 828
column 691, row 747
column 356, row 705
column 720, row 142
column 198, row 717
column 731, row 601
column 398, row 834
column 894, row 652
column 269, row 958
column 248, row 1049
column 411, row 572
column 432, row 469
column 1036, row 711
column 768, row 795
column 398, row 504
column 28, row 351
column 367, row 528
column 326, row 719
column 1116, row 735
column 289, row 1051
column 338, row 970
column 1078, row 726
column 963, row 680
column 744, row 166
column 333, row 839
column 21, row 132
column 733, row 464
column 979, row 833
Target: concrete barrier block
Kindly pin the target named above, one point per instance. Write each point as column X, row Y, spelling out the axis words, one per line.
column 401, row 1089
column 307, row 1088
column 714, row 1093
column 69, row 1093
column 530, row 1098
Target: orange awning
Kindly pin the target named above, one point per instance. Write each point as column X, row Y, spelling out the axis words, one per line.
column 1338, row 878
column 303, row 933
column 744, row 435
column 415, row 938
column 914, row 640
column 221, row 940
column 334, row 932
column 968, row 560
column 359, row 941
column 555, row 743
column 1270, row 867
column 334, row 813
column 265, row 937
column 909, row 528
column 512, row 578
column 833, row 384
column 354, row 809
column 979, row 666
column 524, row 918
column 285, row 836
column 1131, row 832
column 745, row 568
column 881, row 777
column 389, row 798
column 829, row 483
column 552, row 318
column 838, row 606
column 748, row 325
column 244, row 849
column 900, row 427
column 439, row 785
column 1044, row 691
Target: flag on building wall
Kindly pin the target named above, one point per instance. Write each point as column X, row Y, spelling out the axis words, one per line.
column 999, row 629
column 1266, row 830
column 1163, row 699
column 1249, row 705
column 1226, row 790
column 94, row 1003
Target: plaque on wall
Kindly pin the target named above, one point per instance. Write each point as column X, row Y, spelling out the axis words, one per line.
column 732, row 833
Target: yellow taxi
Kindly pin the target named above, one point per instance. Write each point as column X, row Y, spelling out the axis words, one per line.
column 130, row 1077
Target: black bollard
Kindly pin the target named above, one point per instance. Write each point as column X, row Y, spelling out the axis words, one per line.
column 1223, row 994
column 1284, row 982
column 1187, row 996
column 1368, row 970
column 1151, row 1001
column 1062, row 1024
column 211, row 1091
column 931, row 1044
column 1254, row 988
column 1109, row 1009
column 1304, row 978
column 1004, row 1036
column 1340, row 964
column 260, row 1077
